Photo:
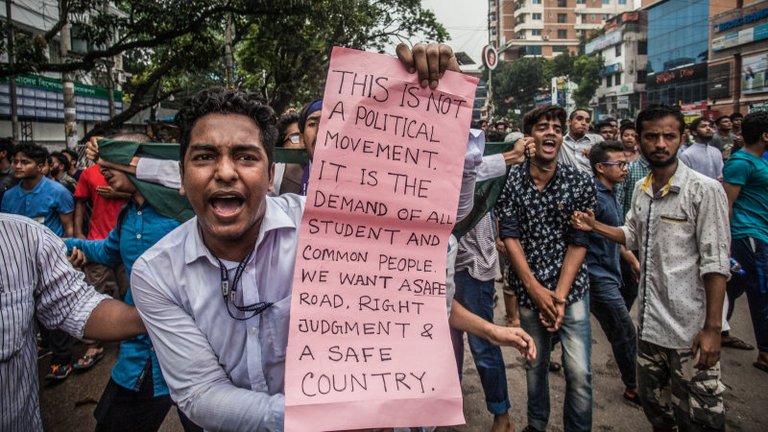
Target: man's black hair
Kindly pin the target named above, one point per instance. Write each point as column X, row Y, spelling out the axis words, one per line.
column 6, row 145
column 36, row 152
column 696, row 122
column 599, row 152
column 63, row 160
column 754, row 125
column 737, row 115
column 219, row 100
column 71, row 153
column 548, row 112
column 602, row 124
column 627, row 126
column 655, row 112
column 573, row 113
column 722, row 117
column 283, row 122
column 609, row 120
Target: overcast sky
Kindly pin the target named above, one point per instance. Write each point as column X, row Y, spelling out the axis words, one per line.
column 467, row 23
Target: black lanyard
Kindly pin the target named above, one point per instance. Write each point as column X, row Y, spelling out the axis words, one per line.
column 228, row 291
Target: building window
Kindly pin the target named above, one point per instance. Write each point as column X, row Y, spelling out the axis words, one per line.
column 562, row 34
column 536, row 32
column 562, row 3
column 533, row 50
column 536, row 16
column 622, row 2
column 606, row 2
column 562, row 18
column 618, row 50
column 581, row 1
column 641, row 75
column 642, row 47
column 539, row 1
column 559, row 48
column 618, row 79
column 608, row 80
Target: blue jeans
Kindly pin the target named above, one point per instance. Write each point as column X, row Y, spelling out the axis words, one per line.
column 576, row 337
column 477, row 297
column 607, row 305
column 754, row 261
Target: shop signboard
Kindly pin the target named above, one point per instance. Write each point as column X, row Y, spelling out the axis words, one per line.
column 753, row 74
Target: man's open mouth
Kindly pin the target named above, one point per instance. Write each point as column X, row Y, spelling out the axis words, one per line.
column 226, row 204
column 548, row 145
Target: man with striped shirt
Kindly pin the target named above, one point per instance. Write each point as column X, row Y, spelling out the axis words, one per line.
column 37, row 282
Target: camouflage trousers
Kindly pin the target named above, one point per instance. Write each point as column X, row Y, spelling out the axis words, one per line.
column 674, row 393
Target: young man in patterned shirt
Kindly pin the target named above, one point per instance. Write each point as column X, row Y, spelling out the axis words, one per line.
column 679, row 222
column 548, row 273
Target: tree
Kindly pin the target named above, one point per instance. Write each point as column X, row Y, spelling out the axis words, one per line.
column 587, row 71
column 285, row 57
column 516, row 84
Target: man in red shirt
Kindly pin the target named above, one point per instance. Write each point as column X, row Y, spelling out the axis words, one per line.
column 105, row 206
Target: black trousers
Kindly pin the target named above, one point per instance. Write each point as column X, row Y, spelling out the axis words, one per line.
column 123, row 410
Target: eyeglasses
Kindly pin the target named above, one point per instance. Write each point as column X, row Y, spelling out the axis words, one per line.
column 621, row 164
column 294, row 138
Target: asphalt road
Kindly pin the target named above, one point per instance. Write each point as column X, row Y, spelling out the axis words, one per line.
column 68, row 406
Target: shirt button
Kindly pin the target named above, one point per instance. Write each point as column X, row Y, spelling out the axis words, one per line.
column 138, row 212
column 254, row 330
column 138, row 236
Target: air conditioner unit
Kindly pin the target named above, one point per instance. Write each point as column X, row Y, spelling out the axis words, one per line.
column 546, row 38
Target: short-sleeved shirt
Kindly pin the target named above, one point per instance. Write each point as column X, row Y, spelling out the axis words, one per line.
column 682, row 234
column 541, row 220
column 43, row 204
column 603, row 255
column 105, row 210
column 750, row 211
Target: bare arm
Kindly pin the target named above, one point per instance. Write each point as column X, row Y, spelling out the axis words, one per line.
column 585, row 221
column 80, row 210
column 574, row 256
column 731, row 192
column 462, row 319
column 113, row 320
column 67, row 224
column 706, row 345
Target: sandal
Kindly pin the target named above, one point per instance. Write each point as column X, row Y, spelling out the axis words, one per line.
column 634, row 399
column 734, row 342
column 87, row 361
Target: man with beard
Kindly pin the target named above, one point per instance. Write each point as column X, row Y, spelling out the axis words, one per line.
column 578, row 141
column 724, row 139
column 701, row 156
column 678, row 220
column 547, row 271
column 59, row 168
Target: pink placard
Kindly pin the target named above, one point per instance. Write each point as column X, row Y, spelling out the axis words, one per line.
column 369, row 344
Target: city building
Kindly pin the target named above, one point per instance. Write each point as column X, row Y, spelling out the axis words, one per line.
column 738, row 66
column 547, row 28
column 678, row 49
column 40, row 96
column 623, row 46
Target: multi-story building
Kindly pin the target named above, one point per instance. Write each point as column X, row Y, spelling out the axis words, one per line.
column 678, row 49
column 738, row 66
column 623, row 47
column 40, row 97
column 547, row 28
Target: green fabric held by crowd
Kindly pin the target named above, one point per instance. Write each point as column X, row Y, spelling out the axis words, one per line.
column 166, row 201
column 486, row 192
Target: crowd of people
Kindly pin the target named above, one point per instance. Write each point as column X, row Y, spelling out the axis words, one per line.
column 667, row 217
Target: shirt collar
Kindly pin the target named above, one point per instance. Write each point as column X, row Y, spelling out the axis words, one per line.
column 601, row 187
column 675, row 183
column 274, row 218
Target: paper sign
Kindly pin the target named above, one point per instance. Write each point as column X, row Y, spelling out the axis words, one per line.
column 369, row 344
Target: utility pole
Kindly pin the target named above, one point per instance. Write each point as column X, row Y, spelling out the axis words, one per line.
column 11, row 59
column 70, row 114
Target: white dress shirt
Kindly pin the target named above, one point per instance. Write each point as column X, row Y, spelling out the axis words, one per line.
column 572, row 151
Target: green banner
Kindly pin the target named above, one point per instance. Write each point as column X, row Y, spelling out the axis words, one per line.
column 53, row 84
